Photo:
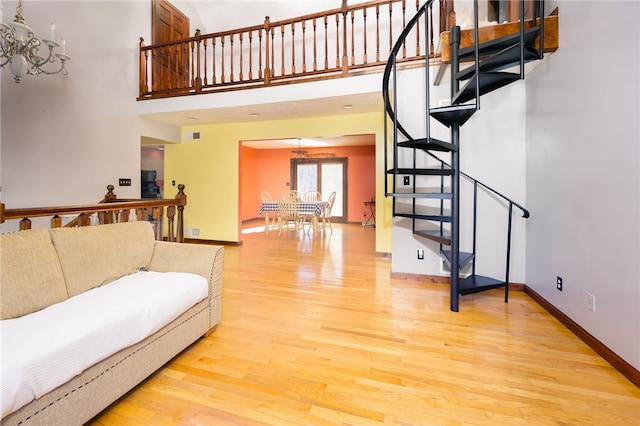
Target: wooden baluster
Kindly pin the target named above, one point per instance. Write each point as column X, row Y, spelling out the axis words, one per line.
column 273, row 52
column 178, row 82
column 377, row 33
column 338, row 40
column 198, row 76
column 102, row 218
column 165, row 75
column 192, row 63
column 156, row 213
column 186, row 60
column 84, row 219
column 182, row 198
column 171, row 212
column 241, row 76
column 293, row 48
column 203, row 57
column 260, row 54
column 140, row 214
column 326, row 43
column 56, row 222
column 251, row 55
column 222, row 75
column 364, row 34
column 2, row 212
column 267, row 48
column 142, row 84
column 282, row 71
column 390, row 26
column 214, row 80
column 231, row 76
column 404, row 16
column 315, row 45
column 418, row 33
column 353, row 38
column 304, row 47
column 25, row 224
column 124, row 215
column 160, row 224
column 432, row 48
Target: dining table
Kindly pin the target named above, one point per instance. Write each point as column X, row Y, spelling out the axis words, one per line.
column 304, row 208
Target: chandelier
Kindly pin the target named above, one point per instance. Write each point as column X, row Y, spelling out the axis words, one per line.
column 20, row 48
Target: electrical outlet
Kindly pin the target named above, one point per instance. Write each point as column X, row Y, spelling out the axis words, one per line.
column 591, row 302
column 559, row 283
column 420, row 254
column 407, row 180
column 124, row 181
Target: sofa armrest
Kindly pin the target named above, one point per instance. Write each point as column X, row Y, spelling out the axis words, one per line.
column 205, row 260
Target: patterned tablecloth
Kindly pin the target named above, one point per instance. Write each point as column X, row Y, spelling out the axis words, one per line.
column 305, row 207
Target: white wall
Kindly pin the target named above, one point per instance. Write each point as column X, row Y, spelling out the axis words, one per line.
column 583, row 161
column 64, row 139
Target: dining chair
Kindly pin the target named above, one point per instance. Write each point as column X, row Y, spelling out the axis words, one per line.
column 326, row 212
column 270, row 217
column 291, row 194
column 288, row 214
column 311, row 218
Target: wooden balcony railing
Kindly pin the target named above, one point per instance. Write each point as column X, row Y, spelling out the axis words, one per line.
column 111, row 210
column 349, row 40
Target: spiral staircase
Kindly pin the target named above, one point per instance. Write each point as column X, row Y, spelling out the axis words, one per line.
column 431, row 201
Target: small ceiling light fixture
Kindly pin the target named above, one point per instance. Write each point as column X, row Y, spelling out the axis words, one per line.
column 20, row 48
column 347, row 106
column 254, row 114
column 192, row 118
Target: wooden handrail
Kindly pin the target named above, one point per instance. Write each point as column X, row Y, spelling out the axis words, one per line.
column 110, row 210
column 348, row 40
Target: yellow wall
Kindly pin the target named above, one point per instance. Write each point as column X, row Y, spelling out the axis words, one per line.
column 209, row 169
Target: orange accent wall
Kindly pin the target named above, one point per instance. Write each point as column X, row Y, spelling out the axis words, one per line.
column 269, row 169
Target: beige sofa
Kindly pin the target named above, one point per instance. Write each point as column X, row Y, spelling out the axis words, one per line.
column 42, row 267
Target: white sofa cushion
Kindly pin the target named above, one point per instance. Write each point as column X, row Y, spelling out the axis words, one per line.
column 45, row 349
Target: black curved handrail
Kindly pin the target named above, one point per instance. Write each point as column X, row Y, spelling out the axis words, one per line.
column 391, row 61
column 391, row 113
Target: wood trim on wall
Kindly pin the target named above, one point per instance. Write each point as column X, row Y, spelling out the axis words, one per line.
column 611, row 357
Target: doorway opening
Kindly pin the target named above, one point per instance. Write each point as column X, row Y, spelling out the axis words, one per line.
column 152, row 171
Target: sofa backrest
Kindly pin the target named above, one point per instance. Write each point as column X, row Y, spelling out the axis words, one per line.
column 30, row 274
column 94, row 255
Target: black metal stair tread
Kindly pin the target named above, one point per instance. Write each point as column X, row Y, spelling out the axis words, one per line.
column 453, row 114
column 421, row 172
column 501, row 60
column 501, row 43
column 429, row 144
column 441, row 237
column 489, row 82
column 477, row 283
column 436, row 195
column 463, row 258
column 423, row 216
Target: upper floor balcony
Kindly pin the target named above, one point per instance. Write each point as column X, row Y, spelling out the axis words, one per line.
column 346, row 41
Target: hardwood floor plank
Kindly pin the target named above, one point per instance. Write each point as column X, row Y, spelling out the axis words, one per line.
column 316, row 332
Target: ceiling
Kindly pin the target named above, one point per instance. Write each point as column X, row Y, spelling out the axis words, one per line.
column 341, row 106
column 315, row 107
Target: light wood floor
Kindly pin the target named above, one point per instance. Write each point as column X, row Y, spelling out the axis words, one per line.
column 314, row 332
